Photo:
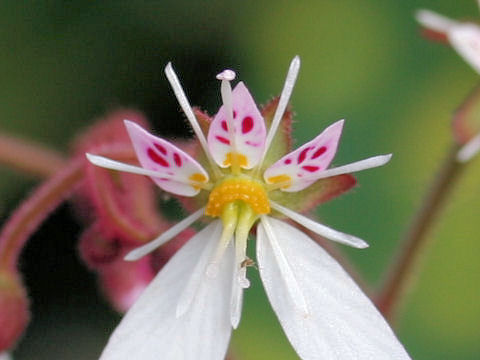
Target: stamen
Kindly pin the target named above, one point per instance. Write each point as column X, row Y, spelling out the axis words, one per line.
column 165, row 237
column 119, row 166
column 227, row 74
column 187, row 109
column 226, row 90
column 364, row 164
column 229, row 219
column 282, row 104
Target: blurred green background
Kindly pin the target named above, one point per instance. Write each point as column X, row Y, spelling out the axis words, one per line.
column 64, row 63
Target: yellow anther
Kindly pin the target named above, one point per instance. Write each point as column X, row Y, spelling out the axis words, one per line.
column 283, row 180
column 235, row 160
column 197, row 178
column 233, row 189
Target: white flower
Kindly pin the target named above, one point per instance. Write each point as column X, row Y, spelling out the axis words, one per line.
column 190, row 308
column 465, row 39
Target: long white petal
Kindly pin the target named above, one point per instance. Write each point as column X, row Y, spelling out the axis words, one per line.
column 342, row 323
column 290, row 281
column 434, row 21
column 199, row 272
column 469, row 150
column 150, row 330
column 320, row 229
column 165, row 237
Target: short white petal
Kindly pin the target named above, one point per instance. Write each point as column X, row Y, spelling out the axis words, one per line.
column 150, row 330
column 469, row 150
column 165, row 237
column 320, row 229
column 434, row 21
column 342, row 322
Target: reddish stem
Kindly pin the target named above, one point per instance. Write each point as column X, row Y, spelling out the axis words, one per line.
column 29, row 157
column 415, row 240
column 25, row 220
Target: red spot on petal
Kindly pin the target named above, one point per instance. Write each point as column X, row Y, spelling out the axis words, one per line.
column 222, row 140
column 161, row 149
column 177, row 159
column 435, row 35
column 303, row 155
column 157, row 158
column 288, row 161
column 234, row 114
column 319, row 152
column 224, row 125
column 247, row 124
column 310, row 168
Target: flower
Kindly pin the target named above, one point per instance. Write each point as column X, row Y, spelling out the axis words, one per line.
column 190, row 308
column 465, row 39
column 463, row 36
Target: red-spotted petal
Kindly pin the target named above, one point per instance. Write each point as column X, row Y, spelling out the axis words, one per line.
column 310, row 159
column 178, row 172
column 249, row 131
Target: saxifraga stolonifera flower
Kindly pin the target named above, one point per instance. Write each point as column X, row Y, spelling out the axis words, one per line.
column 190, row 308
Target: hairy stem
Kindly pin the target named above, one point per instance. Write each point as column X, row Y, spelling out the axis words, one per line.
column 25, row 220
column 29, row 157
column 415, row 240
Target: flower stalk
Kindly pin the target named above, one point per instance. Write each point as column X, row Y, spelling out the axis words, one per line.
column 29, row 157
column 399, row 276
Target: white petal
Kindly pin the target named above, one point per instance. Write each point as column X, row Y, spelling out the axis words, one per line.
column 165, row 237
column 199, row 272
column 5, row 356
column 320, row 229
column 238, row 127
column 303, row 165
column 465, row 38
column 434, row 21
column 342, row 323
column 177, row 169
column 150, row 330
column 469, row 150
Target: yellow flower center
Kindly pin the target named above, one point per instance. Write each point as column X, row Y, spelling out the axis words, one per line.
column 234, row 189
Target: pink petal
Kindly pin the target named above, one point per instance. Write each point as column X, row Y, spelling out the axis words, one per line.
column 310, row 159
column 249, row 131
column 178, row 171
